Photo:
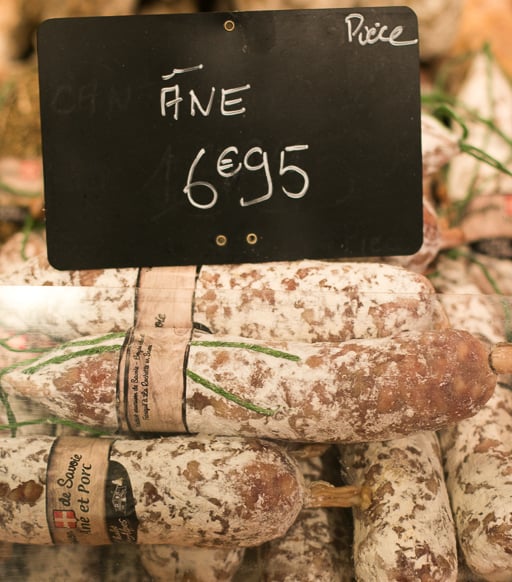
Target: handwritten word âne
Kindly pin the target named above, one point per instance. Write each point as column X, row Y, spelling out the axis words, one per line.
column 170, row 98
column 367, row 35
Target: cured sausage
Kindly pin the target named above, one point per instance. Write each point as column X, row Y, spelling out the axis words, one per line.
column 358, row 390
column 314, row 301
column 179, row 564
column 217, row 492
column 478, row 469
column 407, row 532
column 310, row 549
column 466, row 304
column 303, row 300
column 476, row 451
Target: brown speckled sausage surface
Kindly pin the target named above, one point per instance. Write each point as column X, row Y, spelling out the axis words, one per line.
column 351, row 391
column 185, row 491
column 407, row 533
column 303, row 300
column 478, row 463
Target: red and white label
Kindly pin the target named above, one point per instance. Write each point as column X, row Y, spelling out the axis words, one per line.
column 64, row 519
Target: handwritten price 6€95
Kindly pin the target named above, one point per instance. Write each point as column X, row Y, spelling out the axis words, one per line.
column 229, row 163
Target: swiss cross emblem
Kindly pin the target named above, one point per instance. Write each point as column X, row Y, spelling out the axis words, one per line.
column 64, row 518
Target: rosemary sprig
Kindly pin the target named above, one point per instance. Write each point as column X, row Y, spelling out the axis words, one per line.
column 61, row 358
column 443, row 109
column 30, row 225
column 447, row 107
column 4, row 398
column 92, row 348
column 229, row 395
column 53, row 421
column 225, row 393
column 94, row 340
column 253, row 347
column 65, row 357
column 11, row 417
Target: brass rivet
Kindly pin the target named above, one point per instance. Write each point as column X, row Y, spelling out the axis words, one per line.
column 251, row 238
column 221, row 240
column 229, row 25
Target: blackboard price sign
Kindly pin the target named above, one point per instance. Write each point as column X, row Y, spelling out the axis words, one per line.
column 230, row 137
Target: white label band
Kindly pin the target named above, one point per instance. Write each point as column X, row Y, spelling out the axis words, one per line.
column 151, row 382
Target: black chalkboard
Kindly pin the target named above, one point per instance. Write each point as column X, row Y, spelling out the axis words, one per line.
column 230, row 137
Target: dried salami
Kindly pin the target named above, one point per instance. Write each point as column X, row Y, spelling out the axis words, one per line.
column 312, row 550
column 407, row 533
column 212, row 492
column 304, row 300
column 179, row 564
column 351, row 391
column 314, row 301
column 478, row 465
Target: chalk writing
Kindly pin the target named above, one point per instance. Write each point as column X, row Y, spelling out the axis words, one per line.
column 255, row 159
column 181, row 71
column 171, row 98
column 359, row 31
column 91, row 99
column 230, row 161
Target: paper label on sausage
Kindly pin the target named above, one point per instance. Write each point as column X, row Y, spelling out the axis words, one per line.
column 165, row 297
column 89, row 498
column 151, row 381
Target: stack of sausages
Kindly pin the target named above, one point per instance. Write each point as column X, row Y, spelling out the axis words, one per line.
column 237, row 405
column 377, row 384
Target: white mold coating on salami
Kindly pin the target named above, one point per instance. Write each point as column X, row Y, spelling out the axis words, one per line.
column 309, row 551
column 67, row 304
column 477, row 452
column 317, row 392
column 23, row 463
column 304, row 300
column 314, row 300
column 478, row 464
column 464, row 303
column 211, row 492
column 179, row 564
column 407, row 533
column 72, row 386
column 353, row 391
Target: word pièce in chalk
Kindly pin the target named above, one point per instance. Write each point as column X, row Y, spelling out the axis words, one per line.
column 230, row 161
